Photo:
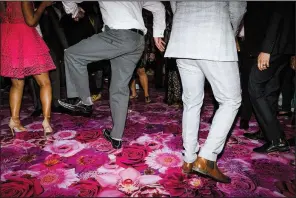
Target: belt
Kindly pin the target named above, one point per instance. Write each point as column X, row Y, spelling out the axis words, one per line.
column 137, row 31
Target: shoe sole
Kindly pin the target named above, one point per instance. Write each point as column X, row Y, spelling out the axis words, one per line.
column 107, row 136
column 284, row 149
column 110, row 140
column 275, row 150
column 72, row 110
column 206, row 174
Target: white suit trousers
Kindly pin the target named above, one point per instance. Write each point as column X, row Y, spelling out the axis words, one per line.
column 225, row 82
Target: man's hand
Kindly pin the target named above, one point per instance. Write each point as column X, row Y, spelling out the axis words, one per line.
column 293, row 62
column 237, row 45
column 47, row 3
column 160, row 44
column 263, row 61
column 80, row 14
column 151, row 56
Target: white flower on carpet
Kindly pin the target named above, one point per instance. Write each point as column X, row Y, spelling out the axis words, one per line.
column 64, row 135
column 64, row 148
column 128, row 180
column 164, row 159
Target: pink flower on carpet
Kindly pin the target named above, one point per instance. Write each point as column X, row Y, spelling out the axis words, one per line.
column 233, row 165
column 16, row 174
column 195, row 182
column 88, row 175
column 239, row 185
column 31, row 156
column 133, row 156
column 173, row 128
column 156, row 108
column 10, row 154
column 263, row 192
column 128, row 180
column 35, row 126
column 204, row 126
column 110, row 167
column 101, row 144
column 64, row 135
column 175, row 182
column 154, row 118
column 87, row 160
column 23, row 144
column 29, row 135
column 154, row 190
column 51, row 162
column 175, row 144
column 61, row 178
column 88, row 136
column 164, row 159
column 64, row 148
column 147, row 141
column 87, row 188
column 24, row 186
column 60, row 192
column 161, row 137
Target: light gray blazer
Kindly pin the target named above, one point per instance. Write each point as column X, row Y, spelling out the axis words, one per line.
column 205, row 30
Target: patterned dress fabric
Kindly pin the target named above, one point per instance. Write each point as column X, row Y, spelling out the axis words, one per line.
column 23, row 52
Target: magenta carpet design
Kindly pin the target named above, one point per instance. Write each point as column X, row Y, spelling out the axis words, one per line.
column 76, row 161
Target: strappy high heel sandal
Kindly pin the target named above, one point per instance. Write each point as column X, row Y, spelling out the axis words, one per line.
column 15, row 126
column 46, row 127
column 147, row 99
column 134, row 97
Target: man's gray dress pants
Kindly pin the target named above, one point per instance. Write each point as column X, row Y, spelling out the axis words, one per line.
column 124, row 49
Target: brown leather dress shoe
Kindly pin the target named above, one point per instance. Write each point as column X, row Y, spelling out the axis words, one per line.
column 209, row 168
column 187, row 167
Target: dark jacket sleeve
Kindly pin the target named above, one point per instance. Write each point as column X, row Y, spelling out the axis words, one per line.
column 277, row 10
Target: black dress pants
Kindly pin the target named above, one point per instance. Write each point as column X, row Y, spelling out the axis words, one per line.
column 264, row 89
column 287, row 88
column 245, row 69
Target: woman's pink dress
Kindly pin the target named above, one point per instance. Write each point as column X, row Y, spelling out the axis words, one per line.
column 23, row 51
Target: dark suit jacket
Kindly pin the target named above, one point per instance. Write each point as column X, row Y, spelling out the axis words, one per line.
column 270, row 27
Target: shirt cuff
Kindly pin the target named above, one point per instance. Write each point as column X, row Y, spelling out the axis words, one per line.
column 75, row 13
column 158, row 33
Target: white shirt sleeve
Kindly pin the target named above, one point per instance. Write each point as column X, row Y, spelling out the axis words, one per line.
column 237, row 10
column 71, row 7
column 158, row 11
column 173, row 6
column 242, row 32
column 39, row 30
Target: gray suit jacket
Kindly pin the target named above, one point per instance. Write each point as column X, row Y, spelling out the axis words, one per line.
column 205, row 30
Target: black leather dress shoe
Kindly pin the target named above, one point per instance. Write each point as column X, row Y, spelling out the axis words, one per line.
column 116, row 144
column 244, row 124
column 280, row 145
column 285, row 114
column 254, row 136
column 36, row 113
column 76, row 109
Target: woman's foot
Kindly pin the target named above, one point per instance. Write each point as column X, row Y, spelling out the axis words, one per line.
column 147, row 99
column 134, row 97
column 96, row 97
column 46, row 127
column 15, row 126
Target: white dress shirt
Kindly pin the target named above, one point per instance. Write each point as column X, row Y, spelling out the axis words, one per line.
column 127, row 14
column 242, row 32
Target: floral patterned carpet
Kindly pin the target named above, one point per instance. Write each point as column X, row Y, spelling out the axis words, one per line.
column 77, row 161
